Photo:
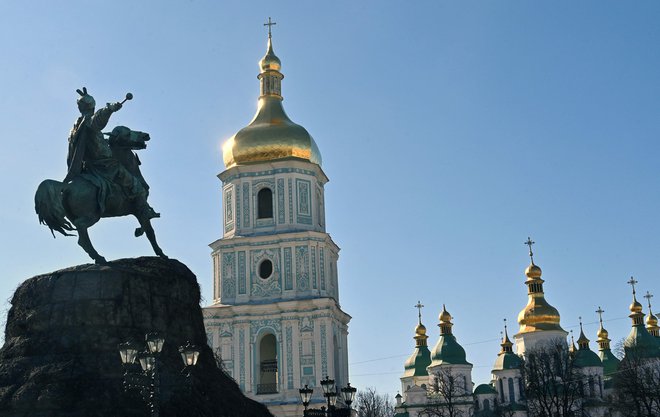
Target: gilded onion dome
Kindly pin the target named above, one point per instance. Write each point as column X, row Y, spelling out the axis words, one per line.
column 538, row 314
column 271, row 135
column 651, row 319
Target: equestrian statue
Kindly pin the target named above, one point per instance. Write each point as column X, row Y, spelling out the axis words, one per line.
column 103, row 179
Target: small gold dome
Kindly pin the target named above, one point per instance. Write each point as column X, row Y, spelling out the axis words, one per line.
column 444, row 317
column 420, row 330
column 636, row 306
column 270, row 61
column 533, row 271
column 651, row 320
column 602, row 333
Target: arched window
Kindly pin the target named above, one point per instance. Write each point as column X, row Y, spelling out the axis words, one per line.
column 486, row 405
column 267, row 383
column 512, row 393
column 501, row 384
column 265, row 204
column 521, row 389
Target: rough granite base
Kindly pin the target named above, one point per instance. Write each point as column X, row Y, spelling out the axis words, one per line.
column 60, row 355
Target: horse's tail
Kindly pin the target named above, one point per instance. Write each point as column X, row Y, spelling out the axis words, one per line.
column 49, row 207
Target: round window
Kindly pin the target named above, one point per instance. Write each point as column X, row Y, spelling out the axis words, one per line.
column 265, row 269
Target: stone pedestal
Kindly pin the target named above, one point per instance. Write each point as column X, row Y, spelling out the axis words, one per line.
column 60, row 355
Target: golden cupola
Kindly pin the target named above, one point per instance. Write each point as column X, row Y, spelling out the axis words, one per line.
column 651, row 319
column 271, row 135
column 538, row 314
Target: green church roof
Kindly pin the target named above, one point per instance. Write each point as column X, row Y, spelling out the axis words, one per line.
column 448, row 351
column 609, row 361
column 484, row 389
column 586, row 357
column 506, row 360
column 641, row 343
column 417, row 363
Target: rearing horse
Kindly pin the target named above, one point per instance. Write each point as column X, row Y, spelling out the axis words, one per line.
column 75, row 205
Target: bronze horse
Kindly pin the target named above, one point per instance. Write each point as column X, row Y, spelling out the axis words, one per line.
column 65, row 207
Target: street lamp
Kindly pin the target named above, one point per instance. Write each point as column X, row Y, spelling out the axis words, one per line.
column 189, row 354
column 305, row 395
column 331, row 394
column 349, row 394
column 155, row 342
column 147, row 382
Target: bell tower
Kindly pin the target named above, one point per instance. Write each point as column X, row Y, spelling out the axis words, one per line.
column 276, row 320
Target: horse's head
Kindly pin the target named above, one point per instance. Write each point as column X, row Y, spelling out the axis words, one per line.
column 123, row 137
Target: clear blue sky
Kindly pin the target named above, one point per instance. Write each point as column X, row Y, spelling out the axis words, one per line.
column 450, row 130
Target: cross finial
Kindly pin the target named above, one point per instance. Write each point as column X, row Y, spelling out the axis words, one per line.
column 632, row 282
column 530, row 243
column 419, row 307
column 648, row 297
column 269, row 24
column 580, row 319
column 600, row 312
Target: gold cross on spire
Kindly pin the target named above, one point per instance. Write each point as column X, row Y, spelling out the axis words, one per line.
column 648, row 297
column 419, row 307
column 632, row 282
column 600, row 312
column 269, row 24
column 530, row 243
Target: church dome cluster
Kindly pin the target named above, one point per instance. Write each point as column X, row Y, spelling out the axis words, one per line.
column 271, row 135
column 539, row 329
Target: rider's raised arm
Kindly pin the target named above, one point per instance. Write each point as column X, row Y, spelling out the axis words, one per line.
column 102, row 116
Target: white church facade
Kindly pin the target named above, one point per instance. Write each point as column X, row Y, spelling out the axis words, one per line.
column 276, row 321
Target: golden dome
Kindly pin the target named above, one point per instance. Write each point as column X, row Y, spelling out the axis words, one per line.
column 271, row 135
column 444, row 317
column 420, row 330
column 636, row 306
column 533, row 271
column 538, row 314
column 602, row 333
column 270, row 61
column 651, row 320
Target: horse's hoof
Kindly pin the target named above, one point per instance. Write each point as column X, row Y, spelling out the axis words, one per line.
column 162, row 255
column 100, row 261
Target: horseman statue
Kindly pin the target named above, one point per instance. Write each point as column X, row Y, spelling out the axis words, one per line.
column 103, row 179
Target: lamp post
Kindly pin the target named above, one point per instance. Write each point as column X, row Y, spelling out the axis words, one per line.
column 349, row 394
column 330, row 392
column 305, row 395
column 148, row 381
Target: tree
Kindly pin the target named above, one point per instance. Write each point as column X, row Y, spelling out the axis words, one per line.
column 369, row 403
column 637, row 386
column 448, row 396
column 553, row 384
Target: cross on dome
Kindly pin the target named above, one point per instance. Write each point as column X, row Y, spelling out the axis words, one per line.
column 600, row 312
column 269, row 24
column 529, row 243
column 648, row 297
column 632, row 282
column 419, row 307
